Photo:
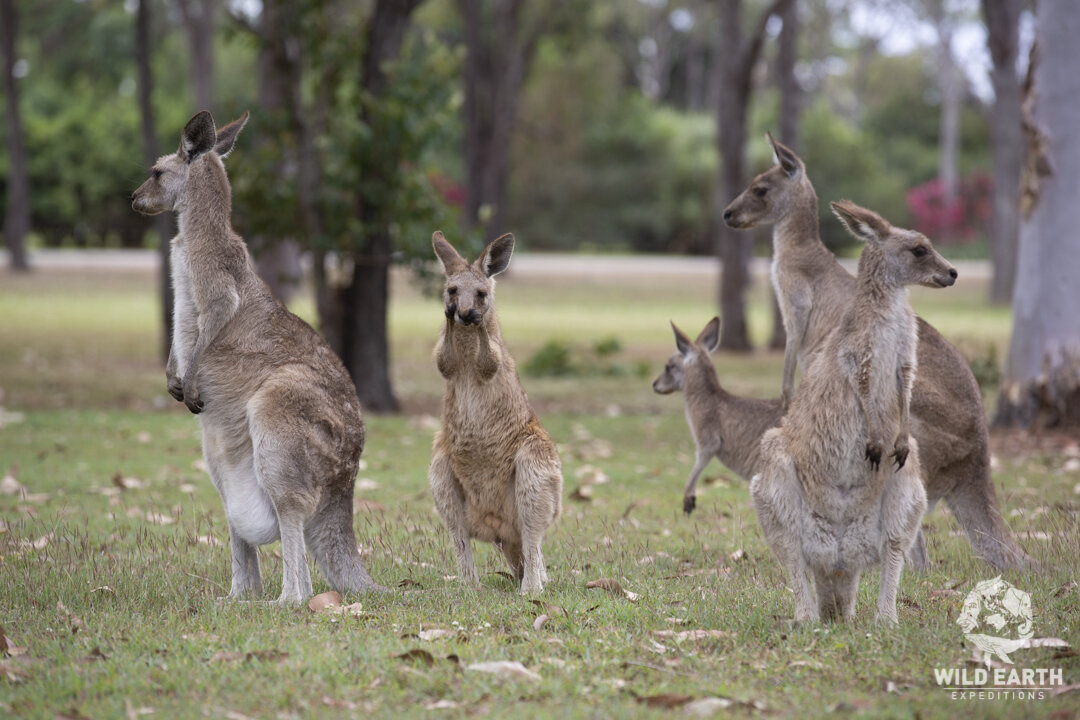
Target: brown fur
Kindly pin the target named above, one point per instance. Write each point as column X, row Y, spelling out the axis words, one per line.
column 282, row 428
column 947, row 416
column 495, row 473
column 824, row 502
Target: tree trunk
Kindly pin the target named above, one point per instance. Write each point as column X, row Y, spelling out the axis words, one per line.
column 951, row 86
column 163, row 223
column 17, row 210
column 1002, row 24
column 790, row 108
column 277, row 259
column 734, row 75
column 499, row 52
column 365, row 300
column 199, row 26
column 1042, row 385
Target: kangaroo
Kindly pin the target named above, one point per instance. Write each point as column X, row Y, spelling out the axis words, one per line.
column 282, row 430
column 723, row 425
column 947, row 412
column 495, row 473
column 824, row 501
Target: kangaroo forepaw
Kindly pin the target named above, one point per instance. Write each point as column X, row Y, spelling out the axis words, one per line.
column 689, row 502
column 191, row 397
column 900, row 453
column 873, row 453
column 451, row 310
column 175, row 388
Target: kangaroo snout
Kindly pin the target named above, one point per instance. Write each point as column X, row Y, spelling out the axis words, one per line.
column 469, row 317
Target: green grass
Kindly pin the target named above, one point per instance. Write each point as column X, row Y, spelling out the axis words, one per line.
column 138, row 570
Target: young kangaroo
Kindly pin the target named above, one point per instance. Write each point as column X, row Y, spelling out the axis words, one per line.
column 824, row 501
column 495, row 473
column 724, row 426
column 814, row 291
column 281, row 425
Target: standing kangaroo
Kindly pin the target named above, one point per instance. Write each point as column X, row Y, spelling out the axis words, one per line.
column 814, row 291
column 495, row 473
column 823, row 499
column 281, row 425
column 723, row 425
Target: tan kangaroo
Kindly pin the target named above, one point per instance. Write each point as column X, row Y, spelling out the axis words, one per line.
column 947, row 412
column 495, row 473
column 281, row 425
column 823, row 499
column 724, row 426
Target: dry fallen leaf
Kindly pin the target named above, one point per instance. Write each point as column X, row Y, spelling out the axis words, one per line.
column 681, row 635
column 613, row 587
column 76, row 623
column 511, row 669
column 540, row 621
column 323, row 601
column 434, row 634
column 550, row 608
column 707, row 706
column 443, row 704
column 417, row 655
column 582, row 494
column 208, row 540
column 9, row 485
column 665, row 700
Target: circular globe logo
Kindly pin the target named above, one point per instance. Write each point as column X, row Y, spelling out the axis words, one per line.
column 996, row 619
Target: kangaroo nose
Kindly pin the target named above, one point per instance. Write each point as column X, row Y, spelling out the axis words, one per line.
column 952, row 273
column 727, row 214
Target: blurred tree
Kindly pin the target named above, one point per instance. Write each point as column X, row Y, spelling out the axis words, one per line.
column 199, row 25
column 163, row 223
column 1042, row 375
column 1003, row 37
column 738, row 51
column 17, row 209
column 790, row 105
column 500, row 40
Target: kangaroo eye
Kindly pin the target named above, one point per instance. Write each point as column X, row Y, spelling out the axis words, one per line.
column 919, row 251
column 451, row 291
column 157, row 174
column 760, row 191
column 480, row 294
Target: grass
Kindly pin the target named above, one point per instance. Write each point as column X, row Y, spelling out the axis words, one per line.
column 114, row 552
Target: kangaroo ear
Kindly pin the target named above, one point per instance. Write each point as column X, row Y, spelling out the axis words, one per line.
column 710, row 336
column 226, row 136
column 682, row 342
column 863, row 224
column 449, row 258
column 496, row 256
column 786, row 158
column 198, row 136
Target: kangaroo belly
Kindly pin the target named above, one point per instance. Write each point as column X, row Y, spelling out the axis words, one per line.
column 227, row 451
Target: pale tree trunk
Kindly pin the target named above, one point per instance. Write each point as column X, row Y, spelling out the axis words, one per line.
column 1042, row 384
column 951, row 86
column 1002, row 25
column 17, row 209
column 199, row 27
column 500, row 44
column 739, row 54
column 790, row 108
column 163, row 223
column 277, row 259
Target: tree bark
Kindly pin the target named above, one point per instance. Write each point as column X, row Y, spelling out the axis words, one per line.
column 1002, row 25
column 363, row 317
column 790, row 109
column 199, row 26
column 277, row 259
column 739, row 55
column 17, row 210
column 499, row 52
column 1042, row 384
column 163, row 223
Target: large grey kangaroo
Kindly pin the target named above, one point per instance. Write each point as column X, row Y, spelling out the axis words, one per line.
column 495, row 473
column 814, row 291
column 281, row 424
column 824, row 501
